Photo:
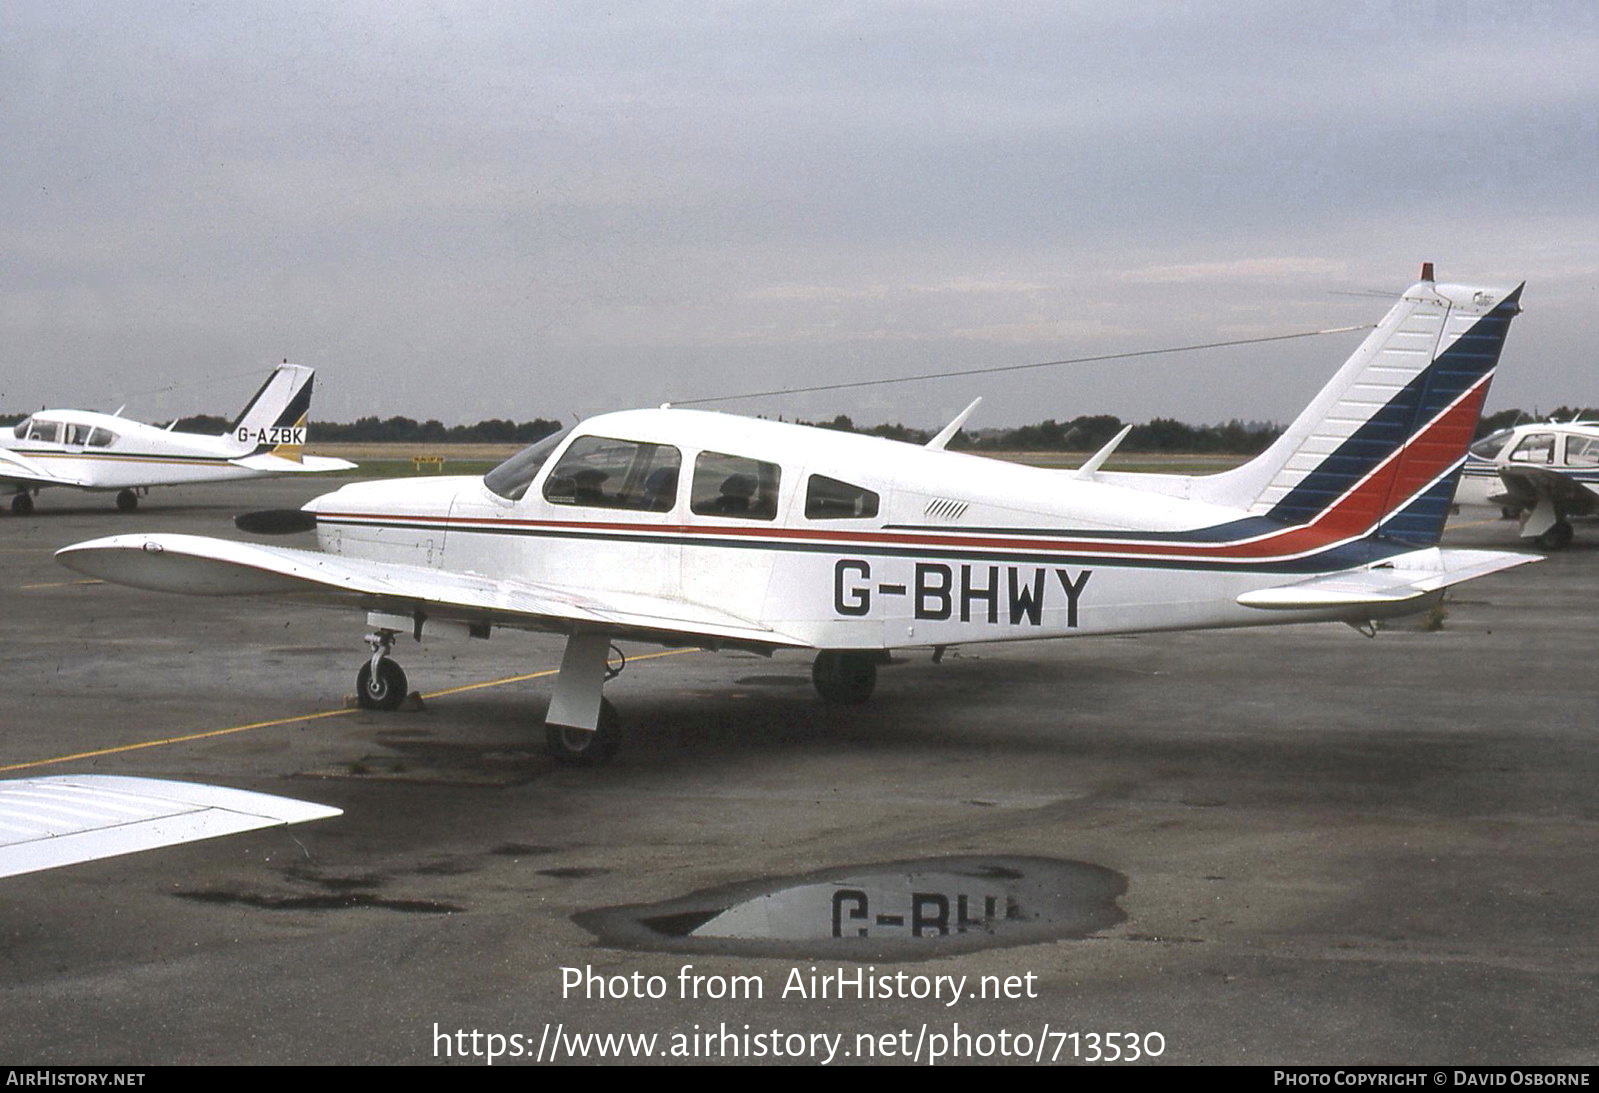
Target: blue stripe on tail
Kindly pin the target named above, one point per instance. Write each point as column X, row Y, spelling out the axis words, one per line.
column 1453, row 372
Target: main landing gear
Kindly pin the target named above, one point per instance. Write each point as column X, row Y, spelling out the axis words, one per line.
column 127, row 501
column 22, row 503
column 581, row 726
column 844, row 678
column 1558, row 537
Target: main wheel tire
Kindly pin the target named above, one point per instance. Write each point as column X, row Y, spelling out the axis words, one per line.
column 22, row 504
column 127, row 501
column 383, row 691
column 1558, row 537
column 582, row 748
column 844, row 679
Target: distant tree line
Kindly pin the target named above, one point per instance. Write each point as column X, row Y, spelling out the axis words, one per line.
column 1086, row 433
column 403, row 430
column 1089, row 433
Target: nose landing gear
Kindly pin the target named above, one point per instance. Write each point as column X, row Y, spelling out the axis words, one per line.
column 381, row 683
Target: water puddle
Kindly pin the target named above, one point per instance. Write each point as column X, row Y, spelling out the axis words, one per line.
column 904, row 910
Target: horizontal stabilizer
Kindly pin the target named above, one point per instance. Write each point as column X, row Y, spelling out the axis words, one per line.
column 267, row 463
column 1393, row 582
column 50, row 822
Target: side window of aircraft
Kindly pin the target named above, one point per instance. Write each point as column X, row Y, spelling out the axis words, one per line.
column 1535, row 448
column 512, row 478
column 1492, row 444
column 733, row 485
column 74, row 434
column 601, row 472
column 46, row 431
column 1582, row 451
column 101, row 438
column 829, row 499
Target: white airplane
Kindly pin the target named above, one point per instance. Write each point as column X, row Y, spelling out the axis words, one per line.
column 1547, row 472
column 690, row 528
column 90, row 451
column 50, row 822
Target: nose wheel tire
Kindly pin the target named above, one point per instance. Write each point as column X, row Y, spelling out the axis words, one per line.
column 384, row 689
column 582, row 747
column 844, row 679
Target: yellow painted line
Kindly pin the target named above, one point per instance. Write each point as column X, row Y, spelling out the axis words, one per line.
column 1481, row 523
column 141, row 745
column 61, row 584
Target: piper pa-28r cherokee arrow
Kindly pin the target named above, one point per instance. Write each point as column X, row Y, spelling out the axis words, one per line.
column 90, row 451
column 689, row 528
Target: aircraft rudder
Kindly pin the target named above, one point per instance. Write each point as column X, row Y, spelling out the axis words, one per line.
column 275, row 418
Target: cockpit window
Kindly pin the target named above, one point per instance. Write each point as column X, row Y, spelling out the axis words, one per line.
column 603, row 472
column 734, row 485
column 512, row 478
column 829, row 499
column 1492, row 444
column 48, row 432
column 21, row 431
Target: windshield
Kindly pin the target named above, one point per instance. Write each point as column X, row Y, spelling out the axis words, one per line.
column 1490, row 445
column 511, row 479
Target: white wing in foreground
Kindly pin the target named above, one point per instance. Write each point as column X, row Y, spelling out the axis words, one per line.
column 199, row 565
column 1388, row 584
column 50, row 822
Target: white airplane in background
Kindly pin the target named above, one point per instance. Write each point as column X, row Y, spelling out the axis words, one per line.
column 689, row 528
column 1548, row 472
column 90, row 451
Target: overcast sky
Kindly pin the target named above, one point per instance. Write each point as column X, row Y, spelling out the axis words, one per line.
column 462, row 210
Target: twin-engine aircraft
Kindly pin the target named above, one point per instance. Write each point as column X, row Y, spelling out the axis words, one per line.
column 1546, row 473
column 90, row 451
column 689, row 528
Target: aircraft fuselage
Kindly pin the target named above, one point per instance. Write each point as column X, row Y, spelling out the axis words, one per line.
column 844, row 542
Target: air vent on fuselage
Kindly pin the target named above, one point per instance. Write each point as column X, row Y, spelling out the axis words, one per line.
column 944, row 508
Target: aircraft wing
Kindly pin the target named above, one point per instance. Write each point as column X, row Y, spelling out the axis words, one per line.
column 1390, row 583
column 21, row 471
column 1528, row 485
column 221, row 567
column 50, row 822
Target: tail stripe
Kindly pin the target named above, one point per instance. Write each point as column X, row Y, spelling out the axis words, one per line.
column 1464, row 364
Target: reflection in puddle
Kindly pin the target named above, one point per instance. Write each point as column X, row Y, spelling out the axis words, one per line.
column 905, row 910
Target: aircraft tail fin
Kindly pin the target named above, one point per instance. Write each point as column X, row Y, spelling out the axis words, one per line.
column 274, row 421
column 1379, row 450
